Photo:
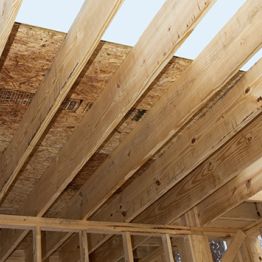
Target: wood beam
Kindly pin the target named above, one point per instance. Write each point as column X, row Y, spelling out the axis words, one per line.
column 234, row 247
column 8, row 13
column 67, row 225
column 199, row 245
column 246, row 183
column 125, row 88
column 237, row 155
column 79, row 45
column 229, row 115
column 204, row 180
column 167, row 248
column 256, row 198
column 37, row 240
column 83, row 242
column 129, row 153
column 128, row 250
column 134, row 77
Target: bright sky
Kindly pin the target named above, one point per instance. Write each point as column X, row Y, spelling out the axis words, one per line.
column 131, row 21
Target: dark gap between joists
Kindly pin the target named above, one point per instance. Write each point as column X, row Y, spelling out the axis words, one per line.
column 8, row 97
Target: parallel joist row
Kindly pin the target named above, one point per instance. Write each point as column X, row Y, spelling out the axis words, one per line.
column 136, row 74
column 198, row 85
column 232, row 113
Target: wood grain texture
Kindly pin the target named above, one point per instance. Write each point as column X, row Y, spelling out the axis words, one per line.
column 8, row 13
column 115, row 102
column 245, row 184
column 124, row 153
column 75, row 52
column 234, row 247
column 37, row 246
column 240, row 152
column 219, row 124
column 128, row 249
column 199, row 245
column 167, row 248
column 189, row 94
column 123, row 90
column 83, row 242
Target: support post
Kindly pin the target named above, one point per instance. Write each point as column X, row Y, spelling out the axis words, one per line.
column 127, row 243
column 37, row 245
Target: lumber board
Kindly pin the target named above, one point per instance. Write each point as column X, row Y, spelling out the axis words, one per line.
column 237, row 155
column 188, row 95
column 83, row 242
column 8, row 13
column 37, row 245
column 167, row 248
column 68, row 225
column 128, row 249
column 123, row 90
column 198, row 245
column 229, row 115
column 69, row 62
column 234, row 247
column 124, row 153
column 245, row 184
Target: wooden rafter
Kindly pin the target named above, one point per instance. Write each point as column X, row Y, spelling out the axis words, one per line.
column 72, row 57
column 124, row 89
column 129, row 156
column 225, row 165
column 246, row 183
column 8, row 13
column 124, row 153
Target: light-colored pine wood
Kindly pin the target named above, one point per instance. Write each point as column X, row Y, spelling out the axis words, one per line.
column 256, row 198
column 83, row 242
column 135, row 75
column 72, row 57
column 195, row 187
column 231, row 113
column 245, row 184
column 132, row 154
column 67, row 225
column 8, row 13
column 167, row 248
column 199, row 245
column 37, row 249
column 127, row 244
column 202, row 80
column 124, row 89
column 234, row 247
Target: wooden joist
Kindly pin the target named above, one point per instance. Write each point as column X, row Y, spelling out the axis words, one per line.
column 189, row 94
column 125, row 88
column 246, row 183
column 137, row 72
column 8, row 13
column 234, row 247
column 70, row 60
column 236, row 155
column 222, row 121
column 130, row 155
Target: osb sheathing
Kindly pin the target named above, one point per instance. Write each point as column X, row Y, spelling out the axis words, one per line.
column 26, row 60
